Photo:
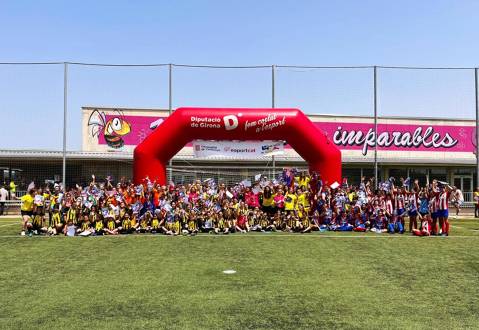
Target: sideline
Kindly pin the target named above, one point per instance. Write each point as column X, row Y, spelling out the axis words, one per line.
column 383, row 236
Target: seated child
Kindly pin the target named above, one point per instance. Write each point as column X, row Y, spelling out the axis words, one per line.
column 110, row 228
column 344, row 224
column 56, row 224
column 379, row 223
column 395, row 225
column 425, row 228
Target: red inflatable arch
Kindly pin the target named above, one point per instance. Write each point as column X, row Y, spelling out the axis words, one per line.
column 186, row 124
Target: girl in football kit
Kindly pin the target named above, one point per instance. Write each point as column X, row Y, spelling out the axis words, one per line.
column 360, row 221
column 314, row 223
column 413, row 209
column 433, row 209
column 380, row 223
column 56, row 225
column 443, row 213
column 344, row 224
column 400, row 204
column 394, row 225
column 221, row 224
column 425, row 228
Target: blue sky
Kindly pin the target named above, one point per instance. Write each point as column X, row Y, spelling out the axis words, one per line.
column 418, row 33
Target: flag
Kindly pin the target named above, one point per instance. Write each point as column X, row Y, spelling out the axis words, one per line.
column 334, row 185
column 31, row 186
column 407, row 182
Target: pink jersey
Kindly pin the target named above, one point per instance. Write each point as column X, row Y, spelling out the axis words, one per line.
column 252, row 199
column 279, row 201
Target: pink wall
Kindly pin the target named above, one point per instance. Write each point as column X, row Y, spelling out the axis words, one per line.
column 357, row 136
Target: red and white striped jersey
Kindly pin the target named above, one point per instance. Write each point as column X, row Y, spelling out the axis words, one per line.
column 382, row 203
column 399, row 201
column 413, row 201
column 444, row 200
column 434, row 204
column 426, row 226
column 389, row 206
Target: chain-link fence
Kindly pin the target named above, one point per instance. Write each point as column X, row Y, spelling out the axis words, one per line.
column 41, row 107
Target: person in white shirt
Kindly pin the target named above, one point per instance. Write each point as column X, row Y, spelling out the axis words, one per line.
column 458, row 200
column 3, row 199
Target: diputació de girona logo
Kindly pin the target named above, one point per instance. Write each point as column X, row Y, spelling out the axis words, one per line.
column 231, row 122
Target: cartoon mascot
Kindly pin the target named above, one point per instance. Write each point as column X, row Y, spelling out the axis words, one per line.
column 113, row 130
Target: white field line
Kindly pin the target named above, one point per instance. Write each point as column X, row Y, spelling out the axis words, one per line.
column 11, row 224
column 386, row 236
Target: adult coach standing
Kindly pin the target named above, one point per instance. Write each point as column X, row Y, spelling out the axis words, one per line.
column 3, row 199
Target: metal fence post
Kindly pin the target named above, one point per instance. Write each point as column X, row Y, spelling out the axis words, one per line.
column 376, row 181
column 477, row 124
column 273, row 105
column 65, row 107
column 170, row 108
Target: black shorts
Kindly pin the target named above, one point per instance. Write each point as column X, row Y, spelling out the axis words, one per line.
column 29, row 213
column 269, row 209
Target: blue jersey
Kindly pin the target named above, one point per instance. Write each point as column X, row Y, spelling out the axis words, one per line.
column 423, row 205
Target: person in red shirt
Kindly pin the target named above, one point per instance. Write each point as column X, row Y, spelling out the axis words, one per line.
column 279, row 200
column 251, row 199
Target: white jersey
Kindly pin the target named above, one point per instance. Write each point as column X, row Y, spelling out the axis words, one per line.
column 3, row 194
column 458, row 196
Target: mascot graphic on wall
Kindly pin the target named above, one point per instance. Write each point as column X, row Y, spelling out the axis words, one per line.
column 113, row 130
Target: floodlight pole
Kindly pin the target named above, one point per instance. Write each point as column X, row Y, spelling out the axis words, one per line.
column 273, row 104
column 375, row 129
column 170, row 108
column 65, row 108
column 476, row 87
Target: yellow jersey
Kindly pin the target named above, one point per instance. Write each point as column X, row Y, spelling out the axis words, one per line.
column 303, row 200
column 38, row 220
column 85, row 225
column 111, row 224
column 99, row 224
column 56, row 219
column 302, row 182
column 290, row 202
column 268, row 201
column 155, row 223
column 192, row 225
column 72, row 215
column 27, row 202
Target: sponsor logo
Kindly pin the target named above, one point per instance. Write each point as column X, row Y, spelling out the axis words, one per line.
column 231, row 122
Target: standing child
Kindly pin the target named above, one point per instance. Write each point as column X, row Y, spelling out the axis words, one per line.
column 443, row 213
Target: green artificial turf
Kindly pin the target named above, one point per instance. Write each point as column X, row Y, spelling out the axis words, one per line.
column 283, row 281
